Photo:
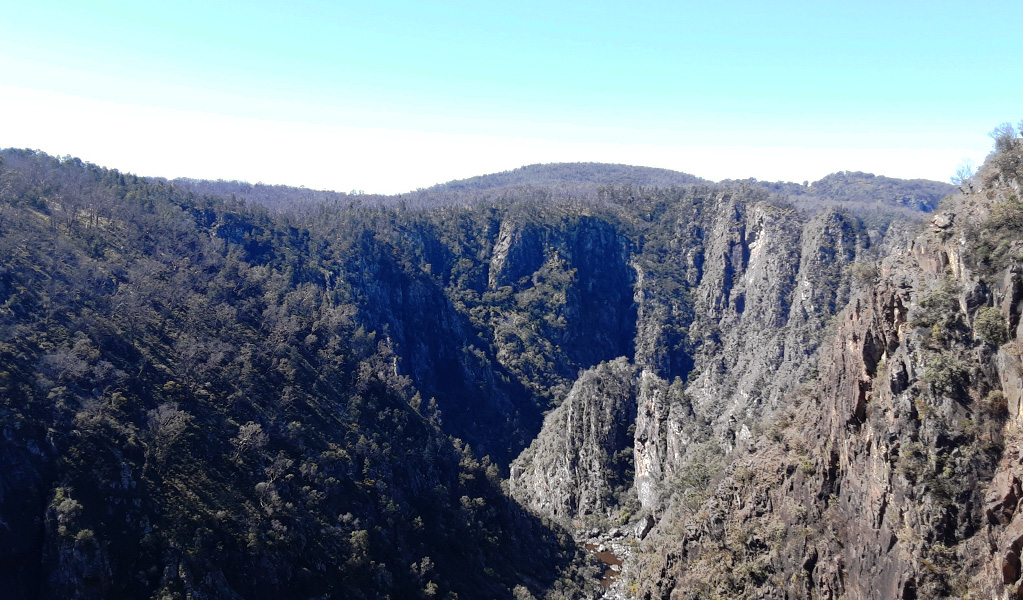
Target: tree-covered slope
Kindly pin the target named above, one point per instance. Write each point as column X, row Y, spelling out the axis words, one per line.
column 865, row 192
column 189, row 407
column 571, row 174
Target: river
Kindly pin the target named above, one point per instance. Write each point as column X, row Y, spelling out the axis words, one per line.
column 610, row 574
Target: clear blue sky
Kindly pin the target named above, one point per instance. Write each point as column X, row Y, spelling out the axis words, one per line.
column 387, row 96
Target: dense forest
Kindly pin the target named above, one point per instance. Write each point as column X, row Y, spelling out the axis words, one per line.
column 225, row 390
column 190, row 406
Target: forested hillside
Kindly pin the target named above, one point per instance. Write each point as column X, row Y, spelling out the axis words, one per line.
column 190, row 406
column 742, row 389
column 570, row 175
column 864, row 192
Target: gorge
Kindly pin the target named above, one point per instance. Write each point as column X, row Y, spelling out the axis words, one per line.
column 744, row 389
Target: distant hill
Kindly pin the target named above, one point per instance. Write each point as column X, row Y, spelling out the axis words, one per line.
column 274, row 197
column 572, row 174
column 573, row 179
column 863, row 191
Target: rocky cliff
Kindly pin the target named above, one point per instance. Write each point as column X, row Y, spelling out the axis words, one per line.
column 849, row 423
column 893, row 470
column 581, row 463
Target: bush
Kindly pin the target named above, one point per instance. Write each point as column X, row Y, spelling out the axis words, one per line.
column 946, row 373
column 993, row 244
column 940, row 308
column 996, row 405
column 864, row 273
column 912, row 461
column 989, row 326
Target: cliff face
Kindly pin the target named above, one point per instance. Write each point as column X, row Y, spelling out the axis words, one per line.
column 771, row 282
column 893, row 471
column 849, row 427
column 920, row 405
column 666, row 430
column 493, row 315
column 581, row 463
column 574, row 275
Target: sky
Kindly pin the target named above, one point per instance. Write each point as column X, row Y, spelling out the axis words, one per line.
column 390, row 96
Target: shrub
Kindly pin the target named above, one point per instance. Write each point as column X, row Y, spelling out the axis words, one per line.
column 864, row 273
column 940, row 308
column 946, row 373
column 992, row 243
column 989, row 326
column 996, row 405
column 912, row 461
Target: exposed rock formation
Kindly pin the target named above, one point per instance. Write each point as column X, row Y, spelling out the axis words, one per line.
column 662, row 436
column 761, row 306
column 869, row 481
column 581, row 463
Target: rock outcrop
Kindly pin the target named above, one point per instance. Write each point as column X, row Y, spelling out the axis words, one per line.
column 664, row 420
column 581, row 463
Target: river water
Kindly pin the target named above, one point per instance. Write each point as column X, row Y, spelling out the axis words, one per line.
column 609, row 559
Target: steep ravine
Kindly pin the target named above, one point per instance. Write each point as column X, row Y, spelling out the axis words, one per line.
column 760, row 282
column 495, row 324
column 849, row 428
column 894, row 472
column 768, row 279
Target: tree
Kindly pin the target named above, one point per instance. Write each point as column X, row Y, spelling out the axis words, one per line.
column 167, row 425
column 250, row 436
column 964, row 176
column 990, row 326
column 1006, row 137
column 1008, row 156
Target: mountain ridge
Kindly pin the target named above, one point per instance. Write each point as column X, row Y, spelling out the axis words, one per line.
column 572, row 173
